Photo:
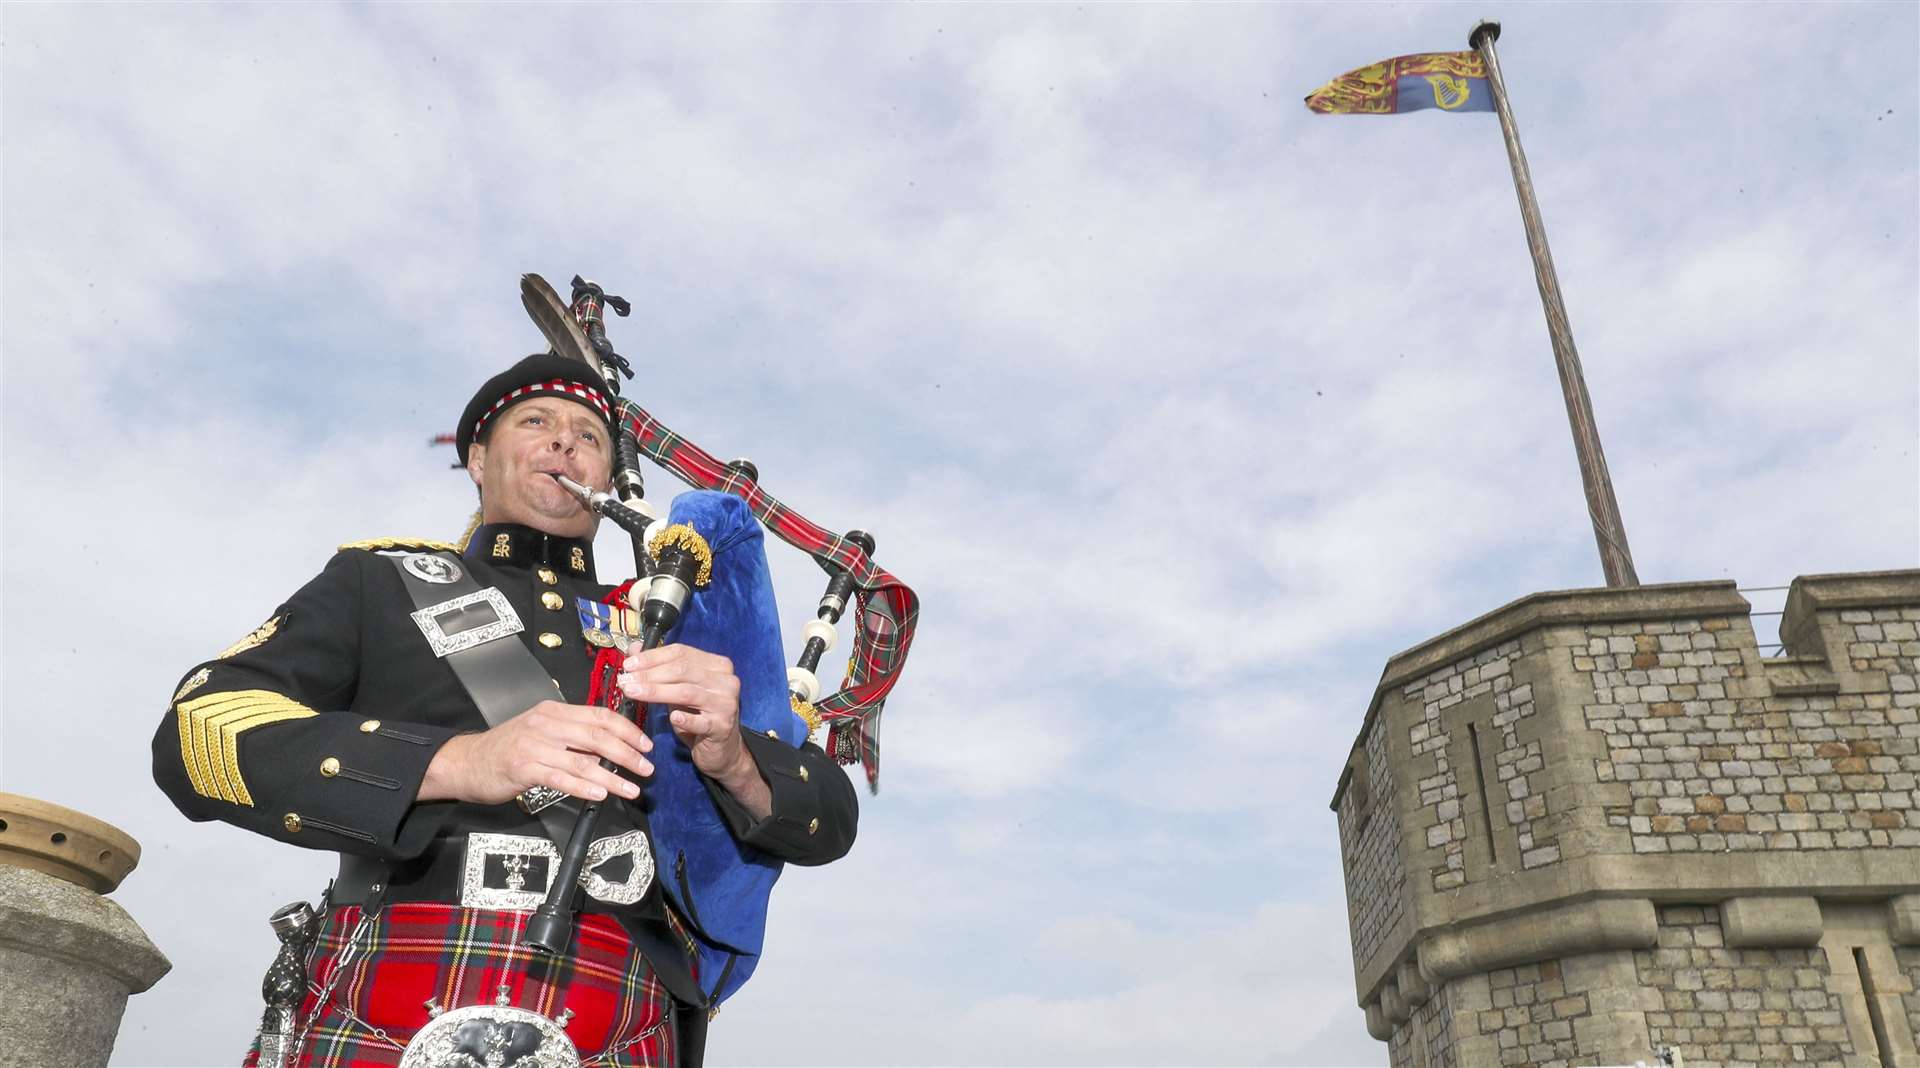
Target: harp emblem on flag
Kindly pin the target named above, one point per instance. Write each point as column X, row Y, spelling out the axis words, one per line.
column 1445, row 81
column 1449, row 92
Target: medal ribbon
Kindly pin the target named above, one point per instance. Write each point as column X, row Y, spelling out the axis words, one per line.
column 608, row 659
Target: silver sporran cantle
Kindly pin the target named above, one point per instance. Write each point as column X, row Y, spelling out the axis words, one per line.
column 491, row 1036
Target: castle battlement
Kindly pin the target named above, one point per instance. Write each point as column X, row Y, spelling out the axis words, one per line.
column 1594, row 822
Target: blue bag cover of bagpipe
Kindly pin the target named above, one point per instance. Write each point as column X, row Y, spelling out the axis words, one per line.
column 735, row 617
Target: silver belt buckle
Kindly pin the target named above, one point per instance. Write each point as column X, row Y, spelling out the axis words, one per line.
column 512, row 871
column 493, row 618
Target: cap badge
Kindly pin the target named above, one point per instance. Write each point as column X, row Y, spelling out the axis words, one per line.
column 428, row 567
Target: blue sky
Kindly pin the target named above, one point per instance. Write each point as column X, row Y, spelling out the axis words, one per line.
column 1182, row 409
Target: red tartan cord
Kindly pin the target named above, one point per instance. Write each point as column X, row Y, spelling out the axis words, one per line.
column 884, row 616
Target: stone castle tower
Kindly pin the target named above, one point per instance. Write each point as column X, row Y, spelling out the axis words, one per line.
column 1594, row 823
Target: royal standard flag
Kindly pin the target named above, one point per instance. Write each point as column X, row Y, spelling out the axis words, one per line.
column 1450, row 81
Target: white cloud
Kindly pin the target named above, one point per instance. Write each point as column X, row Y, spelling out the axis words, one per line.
column 1165, row 989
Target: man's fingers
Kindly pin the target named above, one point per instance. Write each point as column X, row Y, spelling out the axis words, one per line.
column 692, row 724
column 584, row 768
column 602, row 740
column 627, row 730
column 664, row 656
column 679, row 694
column 593, row 717
column 677, row 671
column 575, row 786
column 678, row 660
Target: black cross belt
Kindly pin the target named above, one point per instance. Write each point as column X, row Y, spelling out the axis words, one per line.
column 503, row 679
column 500, row 674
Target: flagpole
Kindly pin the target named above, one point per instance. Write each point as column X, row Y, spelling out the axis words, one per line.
column 1608, row 530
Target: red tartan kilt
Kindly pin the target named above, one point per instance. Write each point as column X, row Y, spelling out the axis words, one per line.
column 458, row 957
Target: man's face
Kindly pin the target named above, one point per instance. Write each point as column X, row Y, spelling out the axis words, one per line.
column 525, row 446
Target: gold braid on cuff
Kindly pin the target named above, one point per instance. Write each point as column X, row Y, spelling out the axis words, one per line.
column 682, row 536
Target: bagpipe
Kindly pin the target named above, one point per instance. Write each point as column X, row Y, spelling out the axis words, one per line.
column 886, row 610
column 673, row 560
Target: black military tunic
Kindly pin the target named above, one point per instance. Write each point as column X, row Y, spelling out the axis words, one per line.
column 317, row 728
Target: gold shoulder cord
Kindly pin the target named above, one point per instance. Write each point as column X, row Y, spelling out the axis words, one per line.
column 416, row 544
column 466, row 536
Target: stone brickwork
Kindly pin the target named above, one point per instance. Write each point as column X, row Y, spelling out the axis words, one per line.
column 1708, row 769
column 1486, row 676
column 1518, row 766
column 1740, row 1008
column 1404, row 1049
column 1369, row 840
column 1593, row 783
column 1533, row 1015
column 1427, row 1040
column 1436, row 1029
column 1909, row 959
column 1446, row 826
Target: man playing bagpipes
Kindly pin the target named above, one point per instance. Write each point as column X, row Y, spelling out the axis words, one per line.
column 444, row 716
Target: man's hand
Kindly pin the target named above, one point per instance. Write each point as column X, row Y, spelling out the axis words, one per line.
column 703, row 694
column 550, row 744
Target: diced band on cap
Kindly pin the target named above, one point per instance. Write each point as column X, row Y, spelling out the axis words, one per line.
column 561, row 386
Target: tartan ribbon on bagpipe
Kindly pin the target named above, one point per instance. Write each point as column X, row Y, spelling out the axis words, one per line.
column 885, row 613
